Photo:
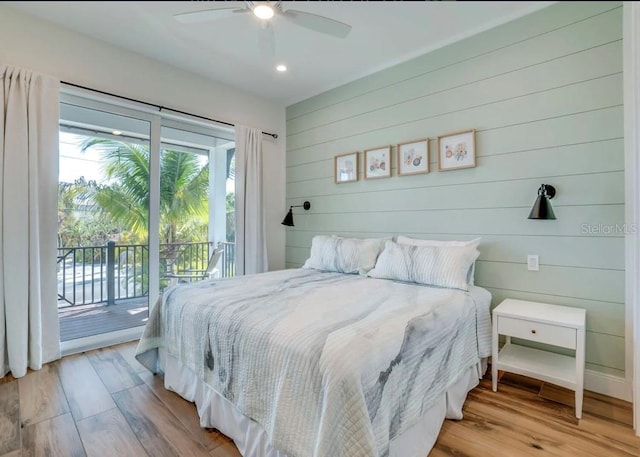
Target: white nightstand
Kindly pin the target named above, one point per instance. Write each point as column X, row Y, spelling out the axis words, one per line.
column 550, row 324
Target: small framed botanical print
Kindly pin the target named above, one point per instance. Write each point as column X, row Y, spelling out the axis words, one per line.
column 457, row 150
column 413, row 157
column 346, row 167
column 377, row 163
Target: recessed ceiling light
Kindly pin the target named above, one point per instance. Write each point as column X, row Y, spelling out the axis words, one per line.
column 116, row 132
column 263, row 11
column 281, row 68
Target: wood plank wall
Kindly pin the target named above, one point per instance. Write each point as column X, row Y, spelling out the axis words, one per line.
column 544, row 94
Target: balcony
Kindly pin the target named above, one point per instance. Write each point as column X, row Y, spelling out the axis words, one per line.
column 106, row 288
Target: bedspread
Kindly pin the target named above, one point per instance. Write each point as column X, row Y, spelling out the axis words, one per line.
column 330, row 365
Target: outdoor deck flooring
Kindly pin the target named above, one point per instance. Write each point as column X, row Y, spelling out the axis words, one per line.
column 88, row 320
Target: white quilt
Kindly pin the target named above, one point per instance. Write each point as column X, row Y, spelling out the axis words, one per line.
column 329, row 364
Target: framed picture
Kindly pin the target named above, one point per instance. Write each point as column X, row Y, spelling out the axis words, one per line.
column 413, row 157
column 377, row 163
column 457, row 150
column 346, row 167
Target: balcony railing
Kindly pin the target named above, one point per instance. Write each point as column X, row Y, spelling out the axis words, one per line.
column 104, row 274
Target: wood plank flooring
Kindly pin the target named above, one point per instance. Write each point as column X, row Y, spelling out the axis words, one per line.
column 103, row 403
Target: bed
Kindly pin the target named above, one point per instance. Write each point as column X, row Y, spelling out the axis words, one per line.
column 310, row 362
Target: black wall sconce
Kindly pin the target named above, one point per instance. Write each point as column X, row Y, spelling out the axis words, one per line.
column 288, row 219
column 542, row 207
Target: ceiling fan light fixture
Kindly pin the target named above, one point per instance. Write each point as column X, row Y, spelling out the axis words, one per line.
column 263, row 11
column 281, row 68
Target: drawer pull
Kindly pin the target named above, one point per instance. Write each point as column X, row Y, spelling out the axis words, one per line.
column 533, row 331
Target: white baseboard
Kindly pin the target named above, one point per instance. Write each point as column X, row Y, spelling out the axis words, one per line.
column 98, row 341
column 606, row 384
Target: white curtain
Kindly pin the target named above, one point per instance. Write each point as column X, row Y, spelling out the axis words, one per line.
column 29, row 113
column 251, row 244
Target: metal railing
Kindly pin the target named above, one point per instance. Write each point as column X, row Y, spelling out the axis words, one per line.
column 228, row 260
column 104, row 274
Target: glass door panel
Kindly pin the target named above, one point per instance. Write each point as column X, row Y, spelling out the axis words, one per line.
column 103, row 222
column 193, row 205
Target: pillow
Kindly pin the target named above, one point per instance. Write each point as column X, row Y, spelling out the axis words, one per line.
column 344, row 255
column 442, row 266
column 418, row 242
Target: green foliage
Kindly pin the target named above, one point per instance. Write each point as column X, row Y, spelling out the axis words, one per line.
column 231, row 202
column 231, row 217
column 91, row 214
column 77, row 224
column 183, row 191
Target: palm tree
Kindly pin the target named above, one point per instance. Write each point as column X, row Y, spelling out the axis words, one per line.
column 183, row 190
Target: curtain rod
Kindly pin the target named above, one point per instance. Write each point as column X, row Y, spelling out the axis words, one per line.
column 160, row 108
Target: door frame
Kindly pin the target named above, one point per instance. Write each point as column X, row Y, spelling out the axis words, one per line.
column 631, row 92
column 89, row 100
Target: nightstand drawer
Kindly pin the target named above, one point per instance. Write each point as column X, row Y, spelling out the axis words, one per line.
column 535, row 331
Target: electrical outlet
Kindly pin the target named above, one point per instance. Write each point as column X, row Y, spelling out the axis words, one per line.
column 533, row 263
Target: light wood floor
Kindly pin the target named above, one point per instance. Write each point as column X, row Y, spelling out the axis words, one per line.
column 103, row 403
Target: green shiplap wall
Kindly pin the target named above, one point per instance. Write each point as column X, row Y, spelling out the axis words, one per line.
column 544, row 94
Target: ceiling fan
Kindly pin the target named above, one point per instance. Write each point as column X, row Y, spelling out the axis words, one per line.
column 266, row 11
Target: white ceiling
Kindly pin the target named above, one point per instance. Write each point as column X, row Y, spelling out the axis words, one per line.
column 228, row 50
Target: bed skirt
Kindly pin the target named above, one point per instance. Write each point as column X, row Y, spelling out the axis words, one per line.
column 217, row 412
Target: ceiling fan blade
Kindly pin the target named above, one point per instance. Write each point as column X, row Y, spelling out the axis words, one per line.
column 208, row 15
column 318, row 23
column 267, row 39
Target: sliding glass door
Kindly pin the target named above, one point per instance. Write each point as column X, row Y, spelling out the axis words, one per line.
column 144, row 201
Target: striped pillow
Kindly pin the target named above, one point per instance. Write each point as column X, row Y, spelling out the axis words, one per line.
column 344, row 255
column 419, row 242
column 442, row 266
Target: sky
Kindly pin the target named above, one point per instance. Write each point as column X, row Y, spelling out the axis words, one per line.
column 74, row 164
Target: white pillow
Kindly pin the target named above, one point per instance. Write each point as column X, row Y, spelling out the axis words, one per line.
column 442, row 266
column 419, row 242
column 344, row 255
